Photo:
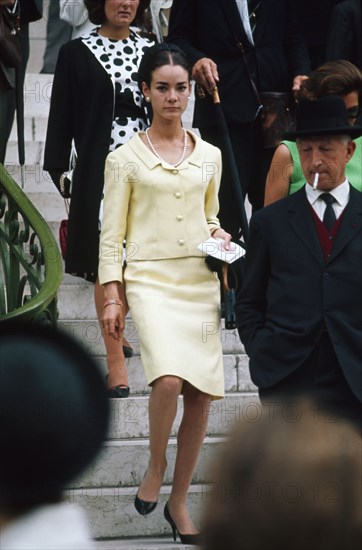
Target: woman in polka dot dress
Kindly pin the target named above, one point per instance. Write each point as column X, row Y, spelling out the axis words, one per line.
column 96, row 106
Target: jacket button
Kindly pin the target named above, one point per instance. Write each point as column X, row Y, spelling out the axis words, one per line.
column 178, row 195
column 325, row 275
column 179, row 218
column 181, row 242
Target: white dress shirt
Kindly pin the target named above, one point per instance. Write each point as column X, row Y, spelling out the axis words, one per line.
column 244, row 14
column 340, row 193
column 62, row 526
column 13, row 8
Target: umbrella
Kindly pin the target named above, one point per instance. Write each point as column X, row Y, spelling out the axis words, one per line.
column 224, row 270
column 229, row 293
column 229, row 160
column 19, row 90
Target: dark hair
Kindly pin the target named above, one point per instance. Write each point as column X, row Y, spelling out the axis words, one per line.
column 53, row 413
column 158, row 56
column 332, row 78
column 97, row 15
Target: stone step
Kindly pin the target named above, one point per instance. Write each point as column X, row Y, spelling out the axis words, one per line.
column 49, row 203
column 35, row 128
column 112, row 514
column 123, row 464
column 37, row 95
column 154, row 543
column 37, row 181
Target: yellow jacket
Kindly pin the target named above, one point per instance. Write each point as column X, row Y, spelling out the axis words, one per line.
column 161, row 211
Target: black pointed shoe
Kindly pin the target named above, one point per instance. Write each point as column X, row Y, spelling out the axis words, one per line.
column 185, row 539
column 127, row 351
column 118, row 392
column 143, row 507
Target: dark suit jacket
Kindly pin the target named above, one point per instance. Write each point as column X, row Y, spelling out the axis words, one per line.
column 7, row 77
column 290, row 293
column 344, row 36
column 211, row 28
column 31, row 10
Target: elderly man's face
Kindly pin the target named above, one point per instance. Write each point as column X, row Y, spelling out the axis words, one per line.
column 326, row 156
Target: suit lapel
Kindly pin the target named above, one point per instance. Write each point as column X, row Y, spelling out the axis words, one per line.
column 301, row 221
column 233, row 18
column 351, row 223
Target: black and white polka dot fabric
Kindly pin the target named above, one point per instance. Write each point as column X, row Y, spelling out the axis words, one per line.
column 121, row 59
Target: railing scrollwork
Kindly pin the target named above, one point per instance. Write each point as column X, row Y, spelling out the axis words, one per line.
column 30, row 264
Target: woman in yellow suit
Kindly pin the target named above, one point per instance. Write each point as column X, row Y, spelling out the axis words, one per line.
column 161, row 194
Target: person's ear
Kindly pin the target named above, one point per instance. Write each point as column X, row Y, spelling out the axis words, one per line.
column 146, row 91
column 351, row 147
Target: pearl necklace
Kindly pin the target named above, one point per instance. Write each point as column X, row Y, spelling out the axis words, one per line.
column 159, row 156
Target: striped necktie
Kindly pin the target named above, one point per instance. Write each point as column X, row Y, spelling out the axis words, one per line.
column 253, row 6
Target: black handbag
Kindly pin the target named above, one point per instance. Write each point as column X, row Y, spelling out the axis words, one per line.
column 228, row 290
column 10, row 38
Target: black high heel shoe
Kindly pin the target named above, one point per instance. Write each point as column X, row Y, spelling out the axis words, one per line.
column 143, row 507
column 127, row 351
column 118, row 392
column 185, row 539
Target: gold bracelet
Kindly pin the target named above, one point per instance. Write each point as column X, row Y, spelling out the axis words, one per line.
column 113, row 301
column 62, row 184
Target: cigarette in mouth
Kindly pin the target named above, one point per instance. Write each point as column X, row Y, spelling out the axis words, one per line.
column 315, row 182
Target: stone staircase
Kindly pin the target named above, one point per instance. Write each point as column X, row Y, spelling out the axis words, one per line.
column 108, row 488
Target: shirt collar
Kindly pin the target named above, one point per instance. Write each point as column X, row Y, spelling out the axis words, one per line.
column 340, row 193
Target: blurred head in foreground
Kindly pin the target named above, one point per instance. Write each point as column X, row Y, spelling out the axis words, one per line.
column 53, row 415
column 286, row 485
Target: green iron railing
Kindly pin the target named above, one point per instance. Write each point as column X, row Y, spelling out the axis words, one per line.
column 31, row 268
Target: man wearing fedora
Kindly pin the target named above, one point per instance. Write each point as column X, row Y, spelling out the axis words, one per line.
column 299, row 312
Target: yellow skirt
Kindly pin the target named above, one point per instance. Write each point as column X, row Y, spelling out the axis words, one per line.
column 175, row 305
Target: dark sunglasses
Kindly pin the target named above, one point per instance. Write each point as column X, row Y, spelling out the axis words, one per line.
column 353, row 112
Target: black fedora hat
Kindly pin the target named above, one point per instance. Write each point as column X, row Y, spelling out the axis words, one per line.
column 53, row 411
column 322, row 117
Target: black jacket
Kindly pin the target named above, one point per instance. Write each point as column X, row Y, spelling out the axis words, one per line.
column 81, row 107
column 31, row 10
column 290, row 293
column 345, row 35
column 211, row 28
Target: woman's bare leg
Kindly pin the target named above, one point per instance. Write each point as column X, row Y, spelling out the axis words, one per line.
column 162, row 412
column 189, row 441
